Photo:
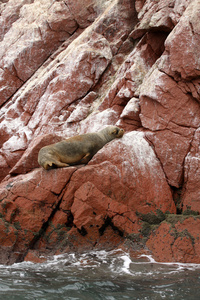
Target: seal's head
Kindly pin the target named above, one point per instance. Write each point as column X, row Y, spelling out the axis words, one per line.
column 115, row 131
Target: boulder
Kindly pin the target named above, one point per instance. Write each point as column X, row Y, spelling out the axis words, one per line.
column 118, row 184
column 27, row 203
column 176, row 239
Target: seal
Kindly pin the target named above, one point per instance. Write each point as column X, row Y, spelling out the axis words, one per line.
column 77, row 149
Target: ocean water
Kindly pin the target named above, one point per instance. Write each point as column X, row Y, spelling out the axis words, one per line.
column 100, row 275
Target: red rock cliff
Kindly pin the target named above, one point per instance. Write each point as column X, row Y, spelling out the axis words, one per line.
column 71, row 67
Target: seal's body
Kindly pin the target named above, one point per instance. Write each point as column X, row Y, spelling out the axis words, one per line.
column 78, row 149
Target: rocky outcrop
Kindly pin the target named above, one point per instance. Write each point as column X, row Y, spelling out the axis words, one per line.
column 71, row 67
column 176, row 239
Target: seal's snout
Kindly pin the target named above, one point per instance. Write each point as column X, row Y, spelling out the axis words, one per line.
column 122, row 131
column 119, row 132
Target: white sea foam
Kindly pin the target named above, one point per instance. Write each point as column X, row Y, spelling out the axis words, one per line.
column 116, row 262
column 180, row 266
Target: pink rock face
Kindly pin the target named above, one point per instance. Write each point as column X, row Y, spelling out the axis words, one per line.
column 28, row 202
column 72, row 67
column 134, row 187
column 185, row 64
column 156, row 14
column 176, row 241
column 28, row 43
column 191, row 190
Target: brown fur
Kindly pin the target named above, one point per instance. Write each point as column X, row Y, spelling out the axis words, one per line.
column 78, row 149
